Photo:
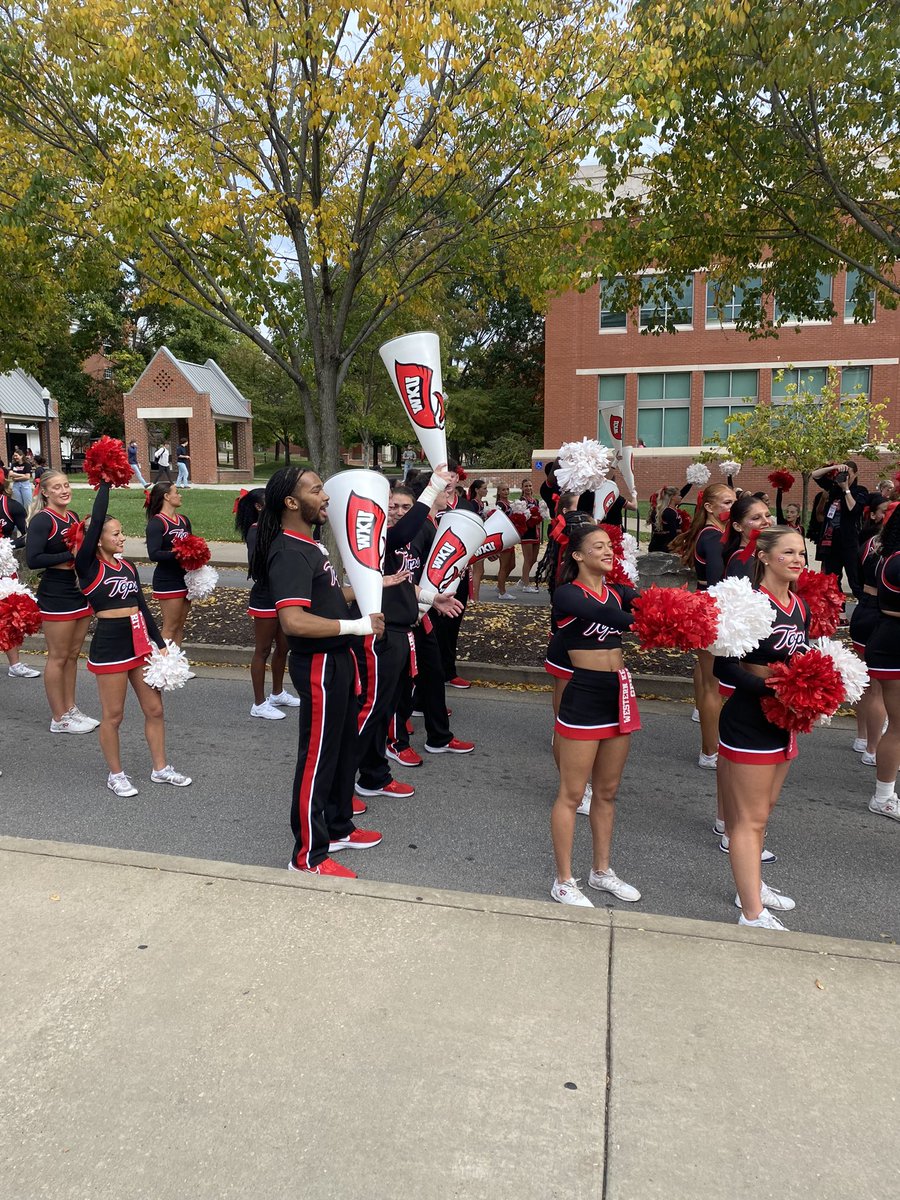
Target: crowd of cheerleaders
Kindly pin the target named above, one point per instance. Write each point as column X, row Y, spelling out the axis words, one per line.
column 594, row 698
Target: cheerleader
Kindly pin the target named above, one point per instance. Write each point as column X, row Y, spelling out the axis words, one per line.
column 475, row 495
column 754, row 754
column 165, row 525
column 749, row 516
column 507, row 558
column 701, row 548
column 883, row 661
column 269, row 638
column 13, row 525
column 531, row 538
column 65, row 612
column 120, row 645
column 666, row 522
column 597, row 713
column 870, row 711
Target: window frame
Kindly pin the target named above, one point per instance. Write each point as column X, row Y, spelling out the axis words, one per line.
column 688, row 325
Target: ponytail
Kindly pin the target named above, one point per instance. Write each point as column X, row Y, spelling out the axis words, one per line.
column 245, row 513
column 268, row 525
column 39, row 502
column 157, row 495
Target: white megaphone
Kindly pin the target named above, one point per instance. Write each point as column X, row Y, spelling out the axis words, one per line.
column 357, row 513
column 604, row 498
column 459, row 534
column 413, row 362
column 499, row 534
column 626, row 469
column 613, row 416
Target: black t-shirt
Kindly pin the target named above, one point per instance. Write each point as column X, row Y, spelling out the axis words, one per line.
column 301, row 575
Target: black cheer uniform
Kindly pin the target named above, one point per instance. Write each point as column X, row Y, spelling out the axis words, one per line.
column 595, row 704
column 534, row 523
column 660, row 539
column 323, row 670
column 162, row 534
column 13, row 521
column 260, row 605
column 745, row 733
column 709, row 564
column 557, row 661
column 119, row 643
column 866, row 614
column 58, row 595
column 446, row 629
column 883, row 645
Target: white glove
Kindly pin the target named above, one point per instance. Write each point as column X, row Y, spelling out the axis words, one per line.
column 361, row 627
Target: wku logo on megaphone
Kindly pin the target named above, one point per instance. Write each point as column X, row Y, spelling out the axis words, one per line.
column 492, row 544
column 448, row 560
column 365, row 530
column 425, row 407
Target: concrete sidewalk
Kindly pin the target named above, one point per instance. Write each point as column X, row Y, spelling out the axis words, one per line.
column 180, row 1028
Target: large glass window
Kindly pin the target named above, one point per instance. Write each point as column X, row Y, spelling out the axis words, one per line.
column 724, row 300
column 679, row 309
column 724, row 393
column 610, row 318
column 855, row 310
column 805, row 379
column 855, row 381
column 664, row 408
column 822, row 307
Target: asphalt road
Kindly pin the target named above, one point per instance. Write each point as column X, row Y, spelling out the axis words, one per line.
column 477, row 823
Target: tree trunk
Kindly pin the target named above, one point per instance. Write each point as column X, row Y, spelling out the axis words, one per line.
column 328, row 460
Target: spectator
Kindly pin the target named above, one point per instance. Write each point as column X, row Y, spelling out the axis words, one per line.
column 21, row 476
column 135, row 465
column 184, row 464
column 839, row 540
column 161, row 463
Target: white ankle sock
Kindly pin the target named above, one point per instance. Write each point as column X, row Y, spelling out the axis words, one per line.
column 116, row 775
column 884, row 791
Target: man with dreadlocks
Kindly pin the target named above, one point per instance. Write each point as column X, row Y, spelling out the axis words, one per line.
column 314, row 613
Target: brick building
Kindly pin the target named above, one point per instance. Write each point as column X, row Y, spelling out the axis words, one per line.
column 678, row 388
column 23, row 418
column 173, row 400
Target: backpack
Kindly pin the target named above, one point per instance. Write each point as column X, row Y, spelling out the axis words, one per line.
column 154, row 461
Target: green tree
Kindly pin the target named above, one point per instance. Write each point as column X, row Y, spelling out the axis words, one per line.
column 299, row 173
column 277, row 415
column 761, row 130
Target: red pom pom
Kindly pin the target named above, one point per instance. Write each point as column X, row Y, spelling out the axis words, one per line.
column 191, row 552
column 74, row 536
column 19, row 617
column 520, row 521
column 782, row 480
column 107, row 462
column 825, row 602
column 685, row 518
column 674, row 618
column 807, row 686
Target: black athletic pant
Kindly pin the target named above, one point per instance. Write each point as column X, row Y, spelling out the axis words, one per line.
column 322, row 800
column 429, row 690
column 446, row 631
column 383, row 662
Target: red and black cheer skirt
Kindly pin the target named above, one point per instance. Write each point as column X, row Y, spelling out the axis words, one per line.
column 168, row 582
column 883, row 648
column 119, row 644
column 747, row 736
column 59, row 596
column 598, row 705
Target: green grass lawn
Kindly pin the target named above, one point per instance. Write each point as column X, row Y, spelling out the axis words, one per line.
column 209, row 512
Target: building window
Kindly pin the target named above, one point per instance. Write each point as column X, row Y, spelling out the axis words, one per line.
column 611, row 391
column 656, row 313
column 810, row 380
column 725, row 300
column 107, row 373
column 610, row 318
column 855, row 310
column 822, row 305
column 855, row 381
column 724, row 393
column 664, row 409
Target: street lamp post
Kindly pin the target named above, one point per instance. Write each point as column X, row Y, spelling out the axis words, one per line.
column 45, row 396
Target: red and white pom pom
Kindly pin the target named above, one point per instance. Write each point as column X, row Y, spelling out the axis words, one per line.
column 745, row 618
column 698, row 474
column 624, row 546
column 729, row 467
column 674, row 619
column 165, row 672
column 851, row 667
column 19, row 616
column 201, row 583
column 191, row 552
column 824, row 599
column 782, row 481
column 807, row 687
column 74, row 536
column 583, row 466
column 520, row 506
column 543, row 510
column 12, row 587
column 107, row 462
column 8, row 564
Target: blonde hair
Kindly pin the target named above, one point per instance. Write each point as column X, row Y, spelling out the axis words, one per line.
column 662, row 503
column 39, row 503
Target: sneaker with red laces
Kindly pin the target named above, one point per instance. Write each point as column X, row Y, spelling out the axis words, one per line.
column 400, row 791
column 458, row 682
column 359, row 839
column 328, row 866
column 407, row 757
column 359, row 809
column 454, row 746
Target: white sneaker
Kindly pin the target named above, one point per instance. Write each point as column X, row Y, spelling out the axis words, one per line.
column 121, row 785
column 585, row 806
column 190, row 675
column 608, row 881
column 70, row 724
column 867, row 759
column 267, row 711
column 718, row 827
column 284, row 699
column 772, row 899
column 695, row 716
column 708, row 761
column 766, row 857
column 859, row 745
column 886, row 808
column 76, row 712
column 505, row 596
column 169, row 775
column 20, row 671
column 567, row 891
column 765, row 920
column 530, row 587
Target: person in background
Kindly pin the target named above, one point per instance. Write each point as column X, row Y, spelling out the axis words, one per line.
column 666, row 521
column 532, row 537
column 475, row 495
column 183, row 460
column 13, row 520
column 21, row 476
column 507, row 558
column 161, row 461
column 135, row 465
column 839, row 540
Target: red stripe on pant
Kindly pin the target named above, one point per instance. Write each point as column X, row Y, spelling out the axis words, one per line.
column 367, row 702
column 313, row 756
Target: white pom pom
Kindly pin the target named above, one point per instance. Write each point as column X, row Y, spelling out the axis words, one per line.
column 745, row 618
column 629, row 557
column 10, row 587
column 852, row 669
column 583, row 466
column 728, row 467
column 544, row 510
column 697, row 473
column 201, row 583
column 521, row 507
column 165, row 672
column 8, row 564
